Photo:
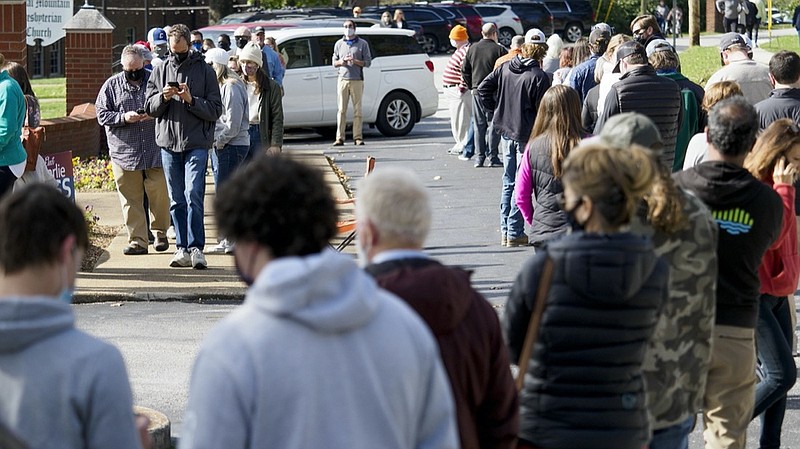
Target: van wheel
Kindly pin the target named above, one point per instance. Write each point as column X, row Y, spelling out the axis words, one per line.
column 430, row 44
column 397, row 115
column 504, row 36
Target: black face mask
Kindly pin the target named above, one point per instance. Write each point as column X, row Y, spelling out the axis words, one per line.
column 573, row 222
column 224, row 45
column 242, row 41
column 181, row 56
column 245, row 278
column 134, row 75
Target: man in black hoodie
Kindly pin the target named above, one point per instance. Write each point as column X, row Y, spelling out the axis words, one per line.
column 749, row 215
column 514, row 92
column 394, row 215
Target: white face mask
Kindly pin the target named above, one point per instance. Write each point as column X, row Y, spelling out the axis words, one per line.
column 349, row 32
column 453, row 43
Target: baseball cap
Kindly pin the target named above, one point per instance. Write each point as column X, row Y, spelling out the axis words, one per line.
column 624, row 130
column 258, row 29
column 157, row 36
column 627, row 49
column 217, row 55
column 597, row 34
column 729, row 40
column 535, row 36
column 603, row 26
column 657, row 45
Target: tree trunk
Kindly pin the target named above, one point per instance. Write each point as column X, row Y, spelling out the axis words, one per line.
column 643, row 7
column 694, row 23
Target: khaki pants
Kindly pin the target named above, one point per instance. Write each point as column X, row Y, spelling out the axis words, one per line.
column 349, row 89
column 460, row 106
column 131, row 186
column 730, row 389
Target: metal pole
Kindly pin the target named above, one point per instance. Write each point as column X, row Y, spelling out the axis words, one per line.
column 146, row 17
column 674, row 23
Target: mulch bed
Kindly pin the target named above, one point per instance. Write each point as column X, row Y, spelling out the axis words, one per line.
column 99, row 239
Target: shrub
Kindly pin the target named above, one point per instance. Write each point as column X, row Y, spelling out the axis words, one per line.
column 93, row 174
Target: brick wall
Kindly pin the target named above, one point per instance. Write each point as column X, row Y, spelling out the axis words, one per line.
column 87, row 65
column 78, row 132
column 713, row 18
column 12, row 31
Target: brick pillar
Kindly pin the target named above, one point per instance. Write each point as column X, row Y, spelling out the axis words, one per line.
column 12, row 31
column 88, row 55
column 713, row 18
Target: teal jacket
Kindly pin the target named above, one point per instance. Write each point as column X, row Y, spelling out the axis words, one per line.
column 12, row 118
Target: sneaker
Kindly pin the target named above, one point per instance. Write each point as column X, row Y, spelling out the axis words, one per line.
column 171, row 232
column 198, row 260
column 454, row 151
column 358, row 142
column 161, row 244
column 496, row 163
column 224, row 247
column 504, row 241
column 338, row 143
column 134, row 249
column 464, row 158
column 479, row 163
column 181, row 259
column 518, row 241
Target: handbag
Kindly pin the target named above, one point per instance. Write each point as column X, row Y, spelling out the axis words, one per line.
column 32, row 141
column 536, row 320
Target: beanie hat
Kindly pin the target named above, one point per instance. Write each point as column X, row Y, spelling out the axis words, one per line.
column 624, row 130
column 217, row 55
column 459, row 33
column 251, row 52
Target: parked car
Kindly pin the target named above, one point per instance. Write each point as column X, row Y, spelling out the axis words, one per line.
column 466, row 15
column 262, row 15
column 398, row 86
column 778, row 17
column 435, row 22
column 571, row 18
column 213, row 31
column 532, row 15
column 508, row 23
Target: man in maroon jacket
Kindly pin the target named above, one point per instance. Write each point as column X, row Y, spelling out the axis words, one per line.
column 394, row 217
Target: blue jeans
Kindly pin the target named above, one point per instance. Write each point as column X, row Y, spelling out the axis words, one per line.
column 225, row 161
column 774, row 350
column 673, row 437
column 186, row 183
column 469, row 146
column 511, row 223
column 486, row 140
column 255, row 142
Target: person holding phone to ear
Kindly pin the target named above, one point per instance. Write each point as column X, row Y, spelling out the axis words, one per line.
column 135, row 156
column 184, row 97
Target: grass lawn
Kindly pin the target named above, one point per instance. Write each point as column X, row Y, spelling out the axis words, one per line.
column 780, row 43
column 699, row 63
column 52, row 95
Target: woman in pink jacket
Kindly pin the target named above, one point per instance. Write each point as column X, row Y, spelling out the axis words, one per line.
column 774, row 160
column 556, row 131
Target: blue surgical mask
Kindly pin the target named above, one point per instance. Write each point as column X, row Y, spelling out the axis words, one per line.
column 66, row 295
column 197, row 46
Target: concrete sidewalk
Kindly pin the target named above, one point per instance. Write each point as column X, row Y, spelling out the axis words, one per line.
column 149, row 277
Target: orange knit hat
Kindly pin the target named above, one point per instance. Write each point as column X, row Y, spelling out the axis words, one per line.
column 459, row 33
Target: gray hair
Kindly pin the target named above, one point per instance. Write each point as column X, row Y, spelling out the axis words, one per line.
column 517, row 41
column 132, row 51
column 395, row 201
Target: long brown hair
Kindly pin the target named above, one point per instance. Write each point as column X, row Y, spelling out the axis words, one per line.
column 774, row 143
column 559, row 119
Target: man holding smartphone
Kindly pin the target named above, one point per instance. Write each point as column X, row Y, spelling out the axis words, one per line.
column 135, row 157
column 183, row 95
column 350, row 56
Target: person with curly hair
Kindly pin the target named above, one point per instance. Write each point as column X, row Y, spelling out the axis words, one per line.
column 318, row 355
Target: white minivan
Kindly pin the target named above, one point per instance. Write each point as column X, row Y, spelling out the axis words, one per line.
column 398, row 86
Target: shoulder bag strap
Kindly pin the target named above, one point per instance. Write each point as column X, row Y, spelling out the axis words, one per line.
column 536, row 319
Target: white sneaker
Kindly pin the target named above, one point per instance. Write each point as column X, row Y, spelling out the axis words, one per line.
column 171, row 232
column 224, row 247
column 198, row 260
column 181, row 259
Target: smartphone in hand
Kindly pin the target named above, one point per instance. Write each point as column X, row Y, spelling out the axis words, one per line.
column 140, row 111
column 173, row 84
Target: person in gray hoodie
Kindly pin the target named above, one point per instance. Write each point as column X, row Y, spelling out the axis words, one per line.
column 184, row 97
column 317, row 356
column 60, row 388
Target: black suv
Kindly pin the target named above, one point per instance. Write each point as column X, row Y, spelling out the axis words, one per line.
column 533, row 15
column 436, row 23
column 571, row 18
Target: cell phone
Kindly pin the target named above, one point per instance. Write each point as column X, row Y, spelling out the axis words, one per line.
column 173, row 84
column 140, row 111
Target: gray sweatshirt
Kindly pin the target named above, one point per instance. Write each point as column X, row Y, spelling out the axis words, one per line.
column 319, row 357
column 729, row 8
column 59, row 387
column 359, row 50
column 234, row 124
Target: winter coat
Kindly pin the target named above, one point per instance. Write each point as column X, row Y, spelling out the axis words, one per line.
column 782, row 103
column 584, row 387
column 641, row 90
column 780, row 268
column 471, row 343
column 182, row 126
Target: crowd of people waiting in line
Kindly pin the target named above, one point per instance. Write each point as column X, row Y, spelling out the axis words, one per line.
column 654, row 293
